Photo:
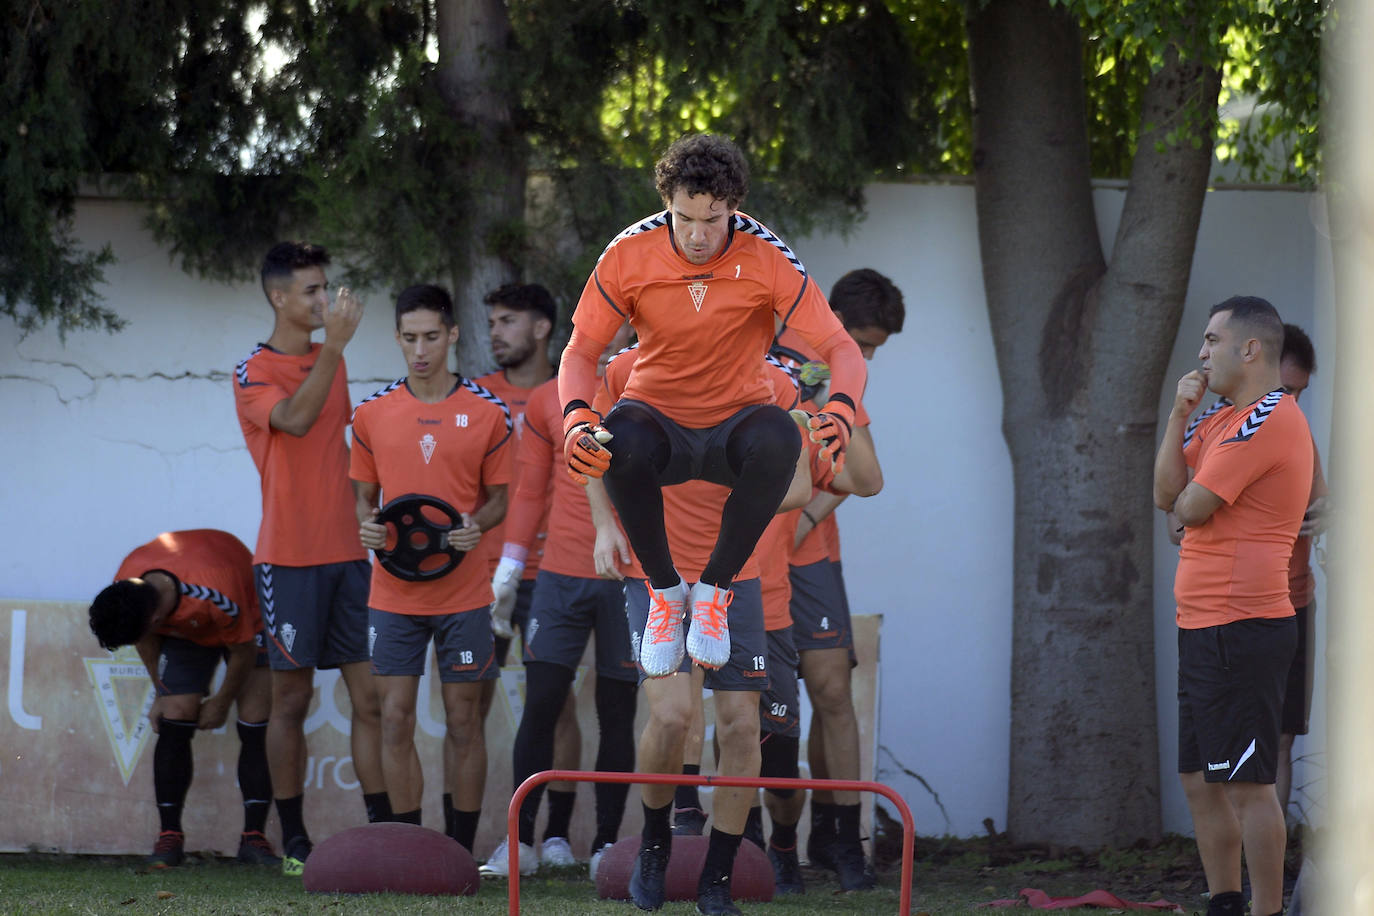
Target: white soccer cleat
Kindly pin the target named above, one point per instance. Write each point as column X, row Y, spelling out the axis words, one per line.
column 498, row 866
column 708, row 640
column 660, row 648
column 556, row 852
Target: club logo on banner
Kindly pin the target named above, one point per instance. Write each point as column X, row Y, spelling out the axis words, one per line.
column 124, row 695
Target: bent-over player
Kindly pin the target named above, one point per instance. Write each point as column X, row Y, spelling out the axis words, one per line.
column 186, row 600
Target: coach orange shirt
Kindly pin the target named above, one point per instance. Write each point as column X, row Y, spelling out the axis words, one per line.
column 307, row 503
column 691, row 510
column 517, row 399
column 703, row 328
column 218, row 605
column 451, row 450
column 1234, row 566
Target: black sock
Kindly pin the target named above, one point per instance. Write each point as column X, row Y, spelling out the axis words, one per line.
column 720, row 859
column 448, row 814
column 546, row 691
column 784, row 836
column 406, row 817
column 658, row 827
column 847, row 822
column 753, row 827
column 1227, row 903
column 292, row 819
column 822, row 820
column 172, row 770
column 615, row 753
column 255, row 780
column 687, row 796
column 560, row 814
column 465, row 827
column 378, row 805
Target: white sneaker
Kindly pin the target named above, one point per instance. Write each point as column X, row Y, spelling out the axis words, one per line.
column 660, row 648
column 708, row 640
column 498, row 865
column 596, row 860
column 557, row 852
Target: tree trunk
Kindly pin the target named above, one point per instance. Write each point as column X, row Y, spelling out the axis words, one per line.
column 475, row 46
column 1081, row 347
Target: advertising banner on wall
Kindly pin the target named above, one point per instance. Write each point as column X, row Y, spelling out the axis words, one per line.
column 76, row 747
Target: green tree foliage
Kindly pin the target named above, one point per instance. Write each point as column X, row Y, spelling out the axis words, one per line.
column 244, row 123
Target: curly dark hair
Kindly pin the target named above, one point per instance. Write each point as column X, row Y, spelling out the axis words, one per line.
column 864, row 298
column 284, row 258
column 703, row 164
column 121, row 612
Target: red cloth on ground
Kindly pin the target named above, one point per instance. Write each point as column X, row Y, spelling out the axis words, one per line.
column 1039, row 900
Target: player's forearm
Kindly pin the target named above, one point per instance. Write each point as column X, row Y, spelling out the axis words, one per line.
column 1171, row 468
column 577, row 369
column 861, row 474
column 848, row 371
column 365, row 497
column 297, row 414
column 599, row 503
column 149, row 647
column 242, row 658
column 493, row 511
column 526, row 508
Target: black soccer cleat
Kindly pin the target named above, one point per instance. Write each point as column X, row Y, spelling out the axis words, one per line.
column 647, row 877
column 688, row 821
column 714, row 900
column 255, row 849
column 851, row 865
column 169, row 850
column 787, row 875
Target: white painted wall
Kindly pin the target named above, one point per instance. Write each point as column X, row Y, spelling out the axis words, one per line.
column 110, row 439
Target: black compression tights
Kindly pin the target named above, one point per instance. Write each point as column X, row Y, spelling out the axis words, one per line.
column 761, row 452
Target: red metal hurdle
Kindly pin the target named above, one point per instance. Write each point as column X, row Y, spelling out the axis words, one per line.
column 678, row 779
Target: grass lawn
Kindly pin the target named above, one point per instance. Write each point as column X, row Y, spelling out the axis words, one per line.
column 951, row 877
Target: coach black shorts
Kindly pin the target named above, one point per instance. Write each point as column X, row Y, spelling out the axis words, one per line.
column 1297, row 698
column 1230, row 698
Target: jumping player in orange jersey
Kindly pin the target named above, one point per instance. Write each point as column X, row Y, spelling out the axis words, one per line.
column 520, row 320
column 186, row 600
column 436, row 434
column 1238, row 479
column 692, row 509
column 293, row 405
column 702, row 285
column 871, row 309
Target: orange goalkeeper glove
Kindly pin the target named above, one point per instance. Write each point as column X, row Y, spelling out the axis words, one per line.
column 584, row 441
column 831, row 427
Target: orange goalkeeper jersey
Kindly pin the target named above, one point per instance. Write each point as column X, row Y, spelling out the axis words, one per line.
column 703, row 329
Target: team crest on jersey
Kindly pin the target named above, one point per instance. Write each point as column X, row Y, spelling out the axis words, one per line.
column 698, row 291
column 288, row 636
column 427, row 446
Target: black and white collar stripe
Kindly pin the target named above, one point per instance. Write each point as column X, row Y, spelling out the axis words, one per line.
column 1263, row 408
column 382, row 392
column 1197, row 421
column 205, row 593
column 754, row 227
column 241, row 370
column 488, row 395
